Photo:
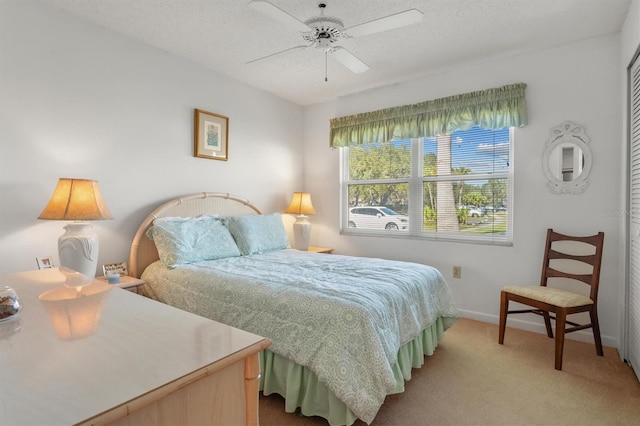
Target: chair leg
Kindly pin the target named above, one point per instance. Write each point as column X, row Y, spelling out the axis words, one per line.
column 547, row 323
column 596, row 331
column 504, row 306
column 561, row 319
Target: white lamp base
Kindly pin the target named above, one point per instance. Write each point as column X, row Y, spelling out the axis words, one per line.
column 78, row 248
column 301, row 232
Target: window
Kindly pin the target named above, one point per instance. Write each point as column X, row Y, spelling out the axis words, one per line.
column 456, row 186
column 446, row 182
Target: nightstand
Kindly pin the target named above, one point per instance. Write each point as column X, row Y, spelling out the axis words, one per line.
column 320, row 249
column 127, row 282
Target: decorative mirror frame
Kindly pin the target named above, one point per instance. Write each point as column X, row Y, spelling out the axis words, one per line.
column 573, row 134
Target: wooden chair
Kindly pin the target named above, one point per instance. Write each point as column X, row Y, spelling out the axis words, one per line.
column 546, row 300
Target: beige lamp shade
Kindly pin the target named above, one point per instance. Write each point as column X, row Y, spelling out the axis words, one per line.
column 301, row 204
column 76, row 199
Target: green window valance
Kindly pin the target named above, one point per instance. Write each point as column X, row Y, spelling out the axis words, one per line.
column 490, row 109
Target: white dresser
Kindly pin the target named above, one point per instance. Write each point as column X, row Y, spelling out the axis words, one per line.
column 145, row 363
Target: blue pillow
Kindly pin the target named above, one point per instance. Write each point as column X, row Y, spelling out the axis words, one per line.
column 258, row 233
column 186, row 240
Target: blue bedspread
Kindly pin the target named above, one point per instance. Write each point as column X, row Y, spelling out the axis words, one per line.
column 342, row 317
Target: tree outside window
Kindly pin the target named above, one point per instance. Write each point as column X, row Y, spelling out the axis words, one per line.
column 463, row 185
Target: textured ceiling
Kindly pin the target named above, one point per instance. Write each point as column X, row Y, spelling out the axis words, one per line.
column 224, row 35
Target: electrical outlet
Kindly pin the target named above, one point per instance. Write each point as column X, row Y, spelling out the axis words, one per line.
column 457, row 271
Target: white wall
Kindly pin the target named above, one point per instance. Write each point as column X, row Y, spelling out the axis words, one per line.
column 578, row 82
column 630, row 34
column 77, row 100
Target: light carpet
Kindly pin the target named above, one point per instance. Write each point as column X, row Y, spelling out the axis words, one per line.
column 472, row 380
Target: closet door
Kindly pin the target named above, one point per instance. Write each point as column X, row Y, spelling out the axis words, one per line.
column 633, row 299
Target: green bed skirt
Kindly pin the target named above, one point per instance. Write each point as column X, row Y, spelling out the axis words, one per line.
column 301, row 388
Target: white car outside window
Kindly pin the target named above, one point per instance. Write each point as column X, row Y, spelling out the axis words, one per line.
column 375, row 217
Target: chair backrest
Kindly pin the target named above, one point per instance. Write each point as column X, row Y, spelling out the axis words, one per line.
column 594, row 259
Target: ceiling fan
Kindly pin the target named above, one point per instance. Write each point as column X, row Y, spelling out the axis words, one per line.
column 323, row 31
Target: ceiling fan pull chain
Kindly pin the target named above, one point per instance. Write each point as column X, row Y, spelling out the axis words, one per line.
column 326, row 54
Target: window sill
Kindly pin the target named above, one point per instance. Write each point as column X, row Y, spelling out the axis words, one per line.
column 425, row 237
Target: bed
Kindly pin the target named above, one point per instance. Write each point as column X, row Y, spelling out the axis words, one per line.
column 345, row 331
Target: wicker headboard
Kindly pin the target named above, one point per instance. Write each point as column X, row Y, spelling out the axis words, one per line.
column 143, row 251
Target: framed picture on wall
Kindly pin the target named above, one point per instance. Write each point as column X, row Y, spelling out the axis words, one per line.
column 211, row 133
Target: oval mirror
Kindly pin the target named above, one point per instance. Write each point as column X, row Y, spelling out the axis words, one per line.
column 567, row 159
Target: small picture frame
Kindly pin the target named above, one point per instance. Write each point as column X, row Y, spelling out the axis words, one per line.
column 119, row 267
column 211, row 135
column 44, row 262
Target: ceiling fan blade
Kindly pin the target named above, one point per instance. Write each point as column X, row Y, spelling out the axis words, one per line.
column 390, row 22
column 278, row 54
column 349, row 60
column 278, row 14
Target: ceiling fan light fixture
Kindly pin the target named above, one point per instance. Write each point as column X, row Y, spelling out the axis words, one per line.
column 324, row 44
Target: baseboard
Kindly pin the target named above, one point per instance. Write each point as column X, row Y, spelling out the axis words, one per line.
column 538, row 327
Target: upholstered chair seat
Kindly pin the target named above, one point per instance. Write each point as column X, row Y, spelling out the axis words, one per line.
column 552, row 296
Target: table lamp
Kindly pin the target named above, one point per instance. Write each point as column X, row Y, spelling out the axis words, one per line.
column 77, row 200
column 301, row 206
